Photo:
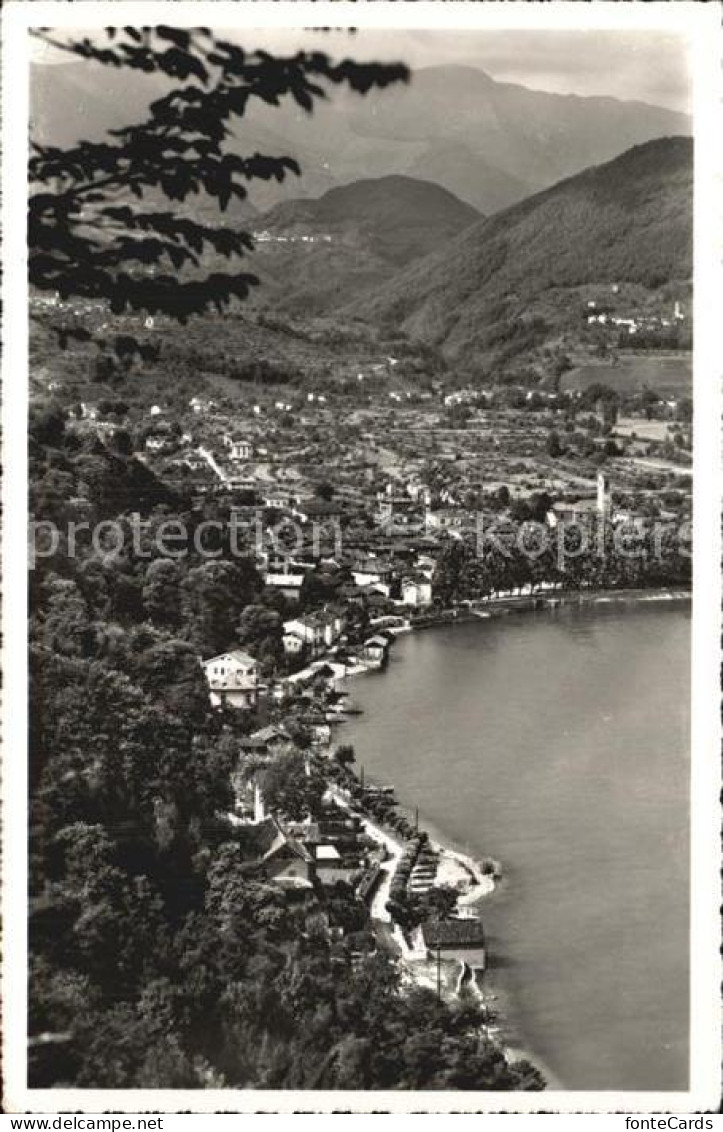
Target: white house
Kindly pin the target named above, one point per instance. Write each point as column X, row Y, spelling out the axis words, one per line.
column 233, row 679
column 285, row 582
column 417, row 591
column 198, row 405
column 293, row 642
column 319, row 631
column 240, row 450
column 447, row 519
column 279, row 500
column 426, row 565
column 374, row 572
column 156, row 443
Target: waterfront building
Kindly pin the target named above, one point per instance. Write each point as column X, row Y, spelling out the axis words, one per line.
column 319, row 631
column 417, row 591
column 265, row 740
column 453, row 935
column 376, row 649
column 374, row 572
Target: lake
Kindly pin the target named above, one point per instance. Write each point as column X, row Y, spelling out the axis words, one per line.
column 558, row 743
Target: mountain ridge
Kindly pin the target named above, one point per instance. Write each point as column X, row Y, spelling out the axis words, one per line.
column 424, row 209
column 629, row 220
column 510, row 140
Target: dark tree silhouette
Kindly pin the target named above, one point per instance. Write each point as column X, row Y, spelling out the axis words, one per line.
column 93, row 229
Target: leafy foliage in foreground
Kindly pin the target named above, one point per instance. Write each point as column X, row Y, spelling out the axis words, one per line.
column 159, row 956
column 87, row 240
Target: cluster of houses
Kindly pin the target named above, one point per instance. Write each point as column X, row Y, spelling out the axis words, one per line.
column 234, row 678
column 633, row 323
column 323, row 851
column 386, row 574
column 313, row 633
column 337, row 847
column 267, row 237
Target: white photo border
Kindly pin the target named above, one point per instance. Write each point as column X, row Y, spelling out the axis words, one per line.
column 700, row 24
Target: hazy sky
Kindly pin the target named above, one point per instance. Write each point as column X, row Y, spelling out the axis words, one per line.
column 646, row 65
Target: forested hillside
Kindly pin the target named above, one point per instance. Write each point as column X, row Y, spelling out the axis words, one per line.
column 399, row 218
column 312, row 256
column 627, row 221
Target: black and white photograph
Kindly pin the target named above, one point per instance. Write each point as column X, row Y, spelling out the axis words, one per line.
column 361, row 712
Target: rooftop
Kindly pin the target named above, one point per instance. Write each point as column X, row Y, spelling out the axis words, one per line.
column 320, row 507
column 453, row 933
column 377, row 640
column 236, row 655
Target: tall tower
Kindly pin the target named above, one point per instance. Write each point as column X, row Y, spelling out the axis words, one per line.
column 259, row 808
column 601, row 495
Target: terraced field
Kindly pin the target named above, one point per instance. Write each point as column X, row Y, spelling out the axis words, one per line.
column 670, row 375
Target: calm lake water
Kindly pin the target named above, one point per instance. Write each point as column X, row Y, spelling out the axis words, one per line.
column 558, row 743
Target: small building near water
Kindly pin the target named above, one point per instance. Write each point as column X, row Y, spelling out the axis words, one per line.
column 464, row 937
column 417, row 590
column 376, row 649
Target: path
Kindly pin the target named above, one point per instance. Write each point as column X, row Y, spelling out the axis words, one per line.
column 378, row 906
column 210, row 460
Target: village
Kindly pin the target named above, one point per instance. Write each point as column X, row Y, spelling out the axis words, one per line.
column 352, row 843
column 351, row 494
column 348, row 523
column 440, row 448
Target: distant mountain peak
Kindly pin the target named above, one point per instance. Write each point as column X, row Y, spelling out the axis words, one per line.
column 490, row 142
column 444, row 70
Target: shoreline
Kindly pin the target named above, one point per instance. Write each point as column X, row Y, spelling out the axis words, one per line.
column 541, row 601
column 483, row 885
column 490, row 996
